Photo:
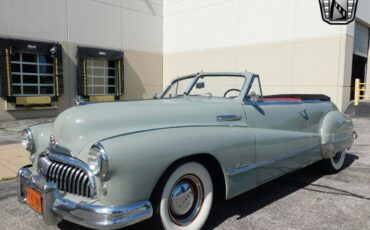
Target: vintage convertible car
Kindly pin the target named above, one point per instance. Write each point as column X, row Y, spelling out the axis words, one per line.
column 208, row 135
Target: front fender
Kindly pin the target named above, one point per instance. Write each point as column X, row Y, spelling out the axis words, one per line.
column 137, row 161
column 41, row 134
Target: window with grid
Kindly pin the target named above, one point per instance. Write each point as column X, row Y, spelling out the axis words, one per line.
column 101, row 77
column 32, row 74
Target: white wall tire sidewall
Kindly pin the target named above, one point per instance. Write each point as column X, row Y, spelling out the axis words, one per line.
column 338, row 165
column 201, row 172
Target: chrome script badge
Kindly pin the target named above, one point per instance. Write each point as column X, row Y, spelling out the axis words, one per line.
column 338, row 12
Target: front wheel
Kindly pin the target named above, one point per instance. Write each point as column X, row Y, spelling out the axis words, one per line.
column 334, row 164
column 186, row 198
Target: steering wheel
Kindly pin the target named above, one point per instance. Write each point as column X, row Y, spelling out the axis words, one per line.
column 231, row 90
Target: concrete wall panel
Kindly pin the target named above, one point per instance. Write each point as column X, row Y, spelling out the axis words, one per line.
column 142, row 27
column 225, row 23
column 316, row 62
column 144, row 6
column 345, row 62
column 308, row 21
column 215, row 25
column 299, row 66
column 94, row 23
column 37, row 19
column 261, row 21
column 178, row 7
column 273, row 62
column 179, row 31
column 143, row 74
column 215, row 60
column 178, row 64
column 136, row 92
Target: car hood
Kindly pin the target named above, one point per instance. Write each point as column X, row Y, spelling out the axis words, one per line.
column 82, row 126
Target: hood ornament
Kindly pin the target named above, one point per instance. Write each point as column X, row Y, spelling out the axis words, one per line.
column 56, row 148
column 80, row 101
column 53, row 143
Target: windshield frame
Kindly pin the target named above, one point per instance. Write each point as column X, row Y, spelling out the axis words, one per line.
column 180, row 79
column 215, row 75
column 247, row 76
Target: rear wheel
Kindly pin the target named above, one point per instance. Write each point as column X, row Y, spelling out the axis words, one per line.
column 185, row 200
column 334, row 164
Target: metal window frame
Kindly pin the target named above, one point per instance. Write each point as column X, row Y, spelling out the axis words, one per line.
column 90, row 66
column 37, row 74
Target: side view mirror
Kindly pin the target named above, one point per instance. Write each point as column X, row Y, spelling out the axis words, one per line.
column 200, row 85
column 255, row 97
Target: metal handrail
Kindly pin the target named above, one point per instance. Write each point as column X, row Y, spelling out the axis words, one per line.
column 361, row 87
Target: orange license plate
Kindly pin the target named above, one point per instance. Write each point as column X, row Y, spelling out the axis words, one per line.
column 34, row 199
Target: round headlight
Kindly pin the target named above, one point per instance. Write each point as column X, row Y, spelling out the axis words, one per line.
column 27, row 140
column 98, row 161
column 94, row 160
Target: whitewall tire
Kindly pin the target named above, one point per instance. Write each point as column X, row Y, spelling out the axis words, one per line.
column 336, row 163
column 186, row 199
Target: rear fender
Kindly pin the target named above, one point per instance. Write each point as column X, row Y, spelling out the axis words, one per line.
column 336, row 133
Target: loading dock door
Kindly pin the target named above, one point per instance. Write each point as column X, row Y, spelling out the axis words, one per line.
column 360, row 55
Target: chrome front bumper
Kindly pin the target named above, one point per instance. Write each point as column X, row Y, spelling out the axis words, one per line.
column 55, row 207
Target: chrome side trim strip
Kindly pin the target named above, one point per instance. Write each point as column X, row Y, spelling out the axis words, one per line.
column 250, row 166
column 175, row 127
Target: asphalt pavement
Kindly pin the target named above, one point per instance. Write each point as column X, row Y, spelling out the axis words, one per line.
column 305, row 199
column 10, row 131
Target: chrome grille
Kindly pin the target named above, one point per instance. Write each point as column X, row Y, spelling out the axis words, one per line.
column 68, row 178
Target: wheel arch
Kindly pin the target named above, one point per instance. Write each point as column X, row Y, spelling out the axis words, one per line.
column 207, row 160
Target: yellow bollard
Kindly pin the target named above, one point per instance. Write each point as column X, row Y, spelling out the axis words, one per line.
column 357, row 92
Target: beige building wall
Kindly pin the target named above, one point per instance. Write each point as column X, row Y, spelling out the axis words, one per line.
column 292, row 49
column 285, row 42
column 133, row 26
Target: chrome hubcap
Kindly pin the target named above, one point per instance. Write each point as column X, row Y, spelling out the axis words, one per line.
column 185, row 200
column 182, row 197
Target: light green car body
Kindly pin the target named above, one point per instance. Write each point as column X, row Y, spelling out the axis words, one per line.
column 144, row 138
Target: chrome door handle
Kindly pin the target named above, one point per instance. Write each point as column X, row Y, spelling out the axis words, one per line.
column 229, row 118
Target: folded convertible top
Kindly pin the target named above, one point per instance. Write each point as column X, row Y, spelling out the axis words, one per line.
column 320, row 97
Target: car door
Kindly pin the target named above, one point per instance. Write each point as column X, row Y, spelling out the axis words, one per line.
column 280, row 129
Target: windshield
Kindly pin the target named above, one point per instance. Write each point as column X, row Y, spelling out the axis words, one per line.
column 206, row 85
column 178, row 87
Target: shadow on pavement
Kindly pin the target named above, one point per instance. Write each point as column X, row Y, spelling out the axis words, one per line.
column 257, row 198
